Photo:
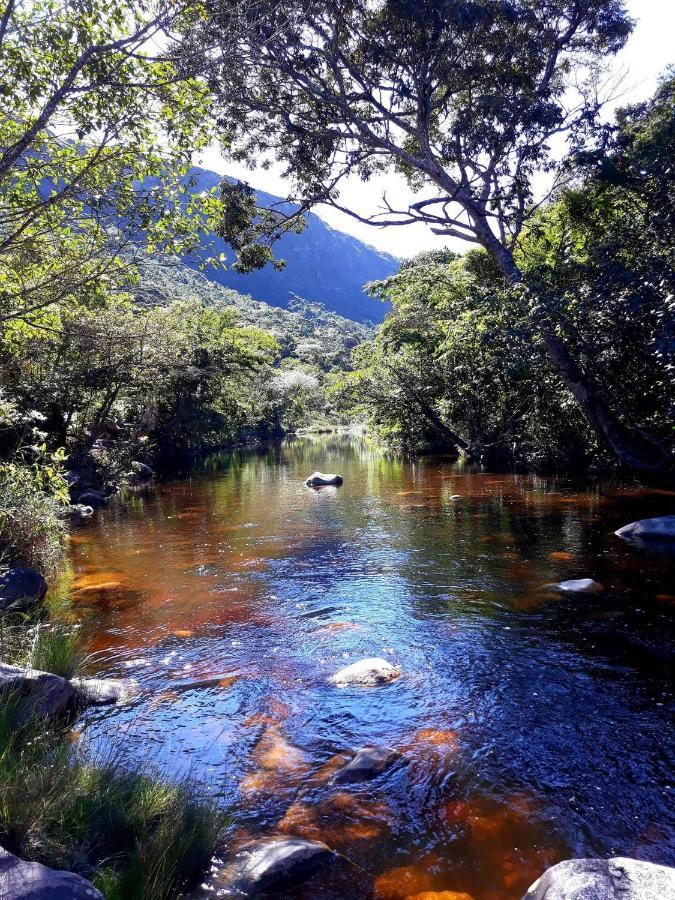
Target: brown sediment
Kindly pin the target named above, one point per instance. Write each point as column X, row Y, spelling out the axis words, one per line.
column 561, row 556
column 404, row 881
column 339, row 820
column 183, row 633
column 333, row 627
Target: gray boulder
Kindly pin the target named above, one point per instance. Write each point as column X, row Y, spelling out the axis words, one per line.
column 604, row 879
column 661, row 528
column 367, row 672
column 320, row 479
column 369, row 762
column 21, row 587
column 38, row 694
column 21, row 880
column 99, row 691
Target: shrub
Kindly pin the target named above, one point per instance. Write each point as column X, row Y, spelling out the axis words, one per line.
column 32, row 501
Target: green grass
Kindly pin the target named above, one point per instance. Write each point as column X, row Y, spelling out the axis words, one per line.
column 136, row 836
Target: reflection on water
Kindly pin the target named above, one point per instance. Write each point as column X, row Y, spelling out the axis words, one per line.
column 529, row 726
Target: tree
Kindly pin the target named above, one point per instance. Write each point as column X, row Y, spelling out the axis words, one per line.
column 463, row 98
column 96, row 135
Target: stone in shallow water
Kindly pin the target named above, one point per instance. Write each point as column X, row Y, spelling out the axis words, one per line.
column 100, row 691
column 369, row 762
column 267, row 867
column 319, row 479
column 21, row 880
column 604, row 879
column 368, row 672
column 660, row 528
column 580, row 586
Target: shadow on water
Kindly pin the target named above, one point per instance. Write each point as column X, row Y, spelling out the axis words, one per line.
column 528, row 726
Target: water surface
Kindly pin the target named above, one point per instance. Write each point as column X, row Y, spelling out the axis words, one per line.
column 531, row 727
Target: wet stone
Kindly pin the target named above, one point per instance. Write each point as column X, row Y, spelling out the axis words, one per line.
column 100, row 691
column 267, row 866
column 320, row 479
column 38, row 694
column 369, row 762
column 580, row 586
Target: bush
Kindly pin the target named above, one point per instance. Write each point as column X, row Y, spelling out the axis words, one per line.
column 32, row 501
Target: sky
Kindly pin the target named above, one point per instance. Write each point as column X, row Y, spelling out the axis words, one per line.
column 649, row 50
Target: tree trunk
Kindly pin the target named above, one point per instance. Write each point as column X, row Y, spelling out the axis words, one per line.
column 633, row 449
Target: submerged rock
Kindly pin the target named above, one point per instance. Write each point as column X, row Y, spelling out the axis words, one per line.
column 369, row 762
column 21, row 587
column 604, row 879
column 580, row 586
column 369, row 672
column 21, row 880
column 38, row 694
column 319, row 479
column 661, row 528
column 99, row 691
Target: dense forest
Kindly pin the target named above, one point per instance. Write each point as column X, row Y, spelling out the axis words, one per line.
column 539, row 335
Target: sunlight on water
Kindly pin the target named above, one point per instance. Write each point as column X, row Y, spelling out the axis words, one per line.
column 527, row 726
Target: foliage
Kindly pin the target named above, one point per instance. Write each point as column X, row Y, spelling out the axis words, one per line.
column 453, row 366
column 98, row 132
column 33, row 494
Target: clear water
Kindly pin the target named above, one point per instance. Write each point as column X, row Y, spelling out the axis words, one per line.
column 532, row 727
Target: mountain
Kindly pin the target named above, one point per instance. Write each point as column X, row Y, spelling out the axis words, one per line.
column 322, row 265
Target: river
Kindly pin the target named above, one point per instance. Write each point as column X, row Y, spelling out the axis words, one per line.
column 531, row 726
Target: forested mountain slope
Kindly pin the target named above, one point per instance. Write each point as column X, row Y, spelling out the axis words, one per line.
column 322, row 265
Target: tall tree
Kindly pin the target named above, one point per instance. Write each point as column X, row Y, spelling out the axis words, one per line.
column 463, row 97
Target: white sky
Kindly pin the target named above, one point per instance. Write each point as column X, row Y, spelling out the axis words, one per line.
column 650, row 49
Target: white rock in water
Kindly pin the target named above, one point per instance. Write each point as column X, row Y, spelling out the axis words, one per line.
column 368, row 672
column 580, row 586
column 604, row 879
column 318, row 479
column 660, row 528
column 100, row 691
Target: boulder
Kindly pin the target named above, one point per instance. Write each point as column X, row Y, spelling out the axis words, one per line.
column 21, row 587
column 99, row 691
column 95, row 499
column 21, row 880
column 580, row 586
column 268, row 867
column 39, row 694
column 369, row 762
column 661, row 528
column 368, row 672
column 319, row 479
column 604, row 879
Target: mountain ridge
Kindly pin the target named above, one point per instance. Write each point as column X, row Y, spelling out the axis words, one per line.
column 323, row 265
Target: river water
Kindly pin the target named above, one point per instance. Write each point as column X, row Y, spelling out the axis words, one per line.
column 531, row 727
